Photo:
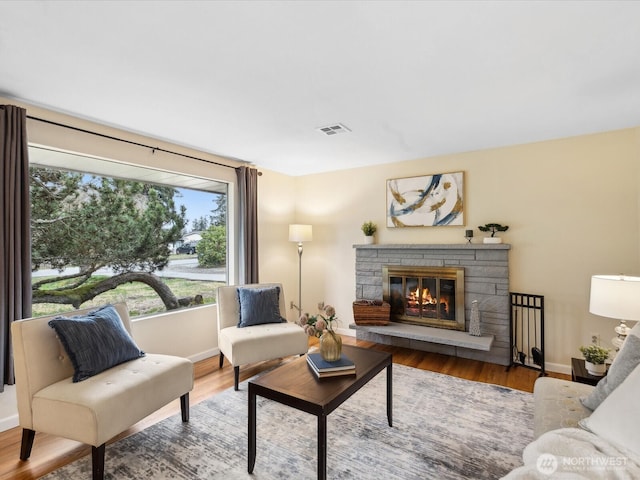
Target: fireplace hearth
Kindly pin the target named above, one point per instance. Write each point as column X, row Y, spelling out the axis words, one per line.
column 425, row 295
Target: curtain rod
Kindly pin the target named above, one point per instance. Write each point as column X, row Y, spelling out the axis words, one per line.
column 153, row 149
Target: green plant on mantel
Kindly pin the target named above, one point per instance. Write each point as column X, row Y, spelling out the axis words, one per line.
column 595, row 354
column 369, row 228
column 493, row 228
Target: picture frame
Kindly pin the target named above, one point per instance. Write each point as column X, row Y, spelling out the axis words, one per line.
column 425, row 201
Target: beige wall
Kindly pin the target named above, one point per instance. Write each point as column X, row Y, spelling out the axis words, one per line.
column 572, row 206
column 278, row 258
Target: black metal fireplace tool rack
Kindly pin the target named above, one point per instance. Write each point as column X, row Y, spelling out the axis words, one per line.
column 527, row 331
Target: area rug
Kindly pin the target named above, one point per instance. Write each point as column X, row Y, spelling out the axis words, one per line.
column 443, row 428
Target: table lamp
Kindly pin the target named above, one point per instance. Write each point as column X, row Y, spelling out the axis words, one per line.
column 616, row 296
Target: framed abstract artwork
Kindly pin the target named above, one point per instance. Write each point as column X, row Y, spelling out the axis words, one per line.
column 426, row 201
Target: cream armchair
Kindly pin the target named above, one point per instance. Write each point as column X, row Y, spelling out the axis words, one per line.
column 256, row 342
column 99, row 407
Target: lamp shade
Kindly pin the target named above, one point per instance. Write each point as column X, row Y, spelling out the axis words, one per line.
column 300, row 233
column 615, row 296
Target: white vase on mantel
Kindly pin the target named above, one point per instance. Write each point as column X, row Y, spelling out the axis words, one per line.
column 492, row 240
column 368, row 239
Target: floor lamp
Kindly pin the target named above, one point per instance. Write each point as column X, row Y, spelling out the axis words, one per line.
column 299, row 234
column 616, row 296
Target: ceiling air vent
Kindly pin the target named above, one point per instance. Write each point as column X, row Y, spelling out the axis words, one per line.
column 333, row 129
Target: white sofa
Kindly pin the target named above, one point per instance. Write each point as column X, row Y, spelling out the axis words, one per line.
column 98, row 408
column 573, row 441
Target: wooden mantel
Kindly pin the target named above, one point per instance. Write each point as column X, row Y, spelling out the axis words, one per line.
column 434, row 246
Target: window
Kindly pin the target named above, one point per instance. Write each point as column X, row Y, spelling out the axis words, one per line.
column 105, row 231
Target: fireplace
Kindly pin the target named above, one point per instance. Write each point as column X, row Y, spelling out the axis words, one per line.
column 431, row 296
column 486, row 279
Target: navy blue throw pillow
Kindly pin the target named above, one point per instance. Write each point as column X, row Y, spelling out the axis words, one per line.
column 259, row 306
column 95, row 342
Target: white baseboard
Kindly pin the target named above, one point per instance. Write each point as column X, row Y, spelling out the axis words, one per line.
column 558, row 368
column 8, row 408
column 211, row 352
column 8, row 423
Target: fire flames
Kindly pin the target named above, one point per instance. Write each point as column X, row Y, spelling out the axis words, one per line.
column 424, row 297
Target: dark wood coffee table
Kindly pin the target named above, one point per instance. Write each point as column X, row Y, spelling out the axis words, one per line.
column 295, row 385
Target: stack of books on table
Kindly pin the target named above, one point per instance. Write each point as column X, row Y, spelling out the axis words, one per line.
column 323, row 369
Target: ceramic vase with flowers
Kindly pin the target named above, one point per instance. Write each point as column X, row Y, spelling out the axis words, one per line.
column 321, row 326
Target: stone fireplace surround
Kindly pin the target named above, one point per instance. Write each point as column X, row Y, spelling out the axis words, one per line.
column 486, row 273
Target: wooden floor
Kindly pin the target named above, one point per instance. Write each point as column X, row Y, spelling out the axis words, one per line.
column 50, row 453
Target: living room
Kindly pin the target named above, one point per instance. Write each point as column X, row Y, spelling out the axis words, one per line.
column 562, row 212
column 572, row 204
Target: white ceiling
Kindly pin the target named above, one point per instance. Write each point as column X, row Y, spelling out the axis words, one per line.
column 253, row 80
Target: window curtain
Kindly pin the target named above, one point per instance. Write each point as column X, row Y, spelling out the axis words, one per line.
column 248, row 220
column 15, row 239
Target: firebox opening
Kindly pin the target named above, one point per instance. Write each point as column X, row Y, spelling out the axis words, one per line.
column 425, row 295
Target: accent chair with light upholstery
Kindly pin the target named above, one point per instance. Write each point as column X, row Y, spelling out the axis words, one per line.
column 66, row 387
column 252, row 326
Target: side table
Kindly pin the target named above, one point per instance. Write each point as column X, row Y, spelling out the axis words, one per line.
column 579, row 373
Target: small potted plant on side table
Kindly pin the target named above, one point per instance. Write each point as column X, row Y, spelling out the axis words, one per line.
column 594, row 359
